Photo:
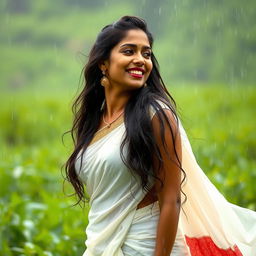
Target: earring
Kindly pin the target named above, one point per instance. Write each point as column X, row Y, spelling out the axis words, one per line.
column 103, row 105
column 104, row 80
column 145, row 85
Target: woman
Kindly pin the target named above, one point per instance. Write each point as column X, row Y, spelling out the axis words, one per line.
column 131, row 152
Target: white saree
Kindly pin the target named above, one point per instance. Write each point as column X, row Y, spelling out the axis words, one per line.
column 208, row 224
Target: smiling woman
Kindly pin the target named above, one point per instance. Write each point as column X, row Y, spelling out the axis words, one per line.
column 130, row 62
column 127, row 69
column 133, row 156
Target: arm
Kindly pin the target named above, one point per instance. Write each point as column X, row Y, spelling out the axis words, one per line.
column 169, row 194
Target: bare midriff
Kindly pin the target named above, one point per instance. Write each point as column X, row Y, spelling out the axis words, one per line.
column 148, row 199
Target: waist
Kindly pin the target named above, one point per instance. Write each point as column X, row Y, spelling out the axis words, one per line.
column 149, row 210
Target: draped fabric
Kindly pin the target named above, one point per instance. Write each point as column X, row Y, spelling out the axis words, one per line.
column 208, row 224
column 213, row 226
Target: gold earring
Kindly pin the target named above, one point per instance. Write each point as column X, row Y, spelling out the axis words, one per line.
column 104, row 80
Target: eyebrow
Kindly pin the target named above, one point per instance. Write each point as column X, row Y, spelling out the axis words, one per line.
column 135, row 46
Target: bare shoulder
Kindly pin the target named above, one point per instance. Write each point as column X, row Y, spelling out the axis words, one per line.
column 169, row 120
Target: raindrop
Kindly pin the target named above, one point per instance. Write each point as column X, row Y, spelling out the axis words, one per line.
column 56, row 55
column 242, row 73
column 160, row 11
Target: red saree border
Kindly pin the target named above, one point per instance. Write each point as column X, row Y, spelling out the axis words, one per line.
column 204, row 246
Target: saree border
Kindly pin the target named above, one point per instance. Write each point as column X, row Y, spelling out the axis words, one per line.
column 106, row 130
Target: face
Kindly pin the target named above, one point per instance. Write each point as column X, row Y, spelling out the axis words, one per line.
column 129, row 64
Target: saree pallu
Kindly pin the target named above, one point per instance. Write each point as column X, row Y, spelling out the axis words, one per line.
column 208, row 224
column 213, row 226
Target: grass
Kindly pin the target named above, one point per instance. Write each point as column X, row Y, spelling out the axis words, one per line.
column 37, row 218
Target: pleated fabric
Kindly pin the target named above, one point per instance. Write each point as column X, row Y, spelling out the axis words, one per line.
column 141, row 237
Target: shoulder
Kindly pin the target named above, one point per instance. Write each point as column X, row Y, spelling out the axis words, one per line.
column 161, row 109
column 164, row 121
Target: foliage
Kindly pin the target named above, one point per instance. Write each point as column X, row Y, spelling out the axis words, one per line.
column 37, row 218
column 44, row 45
column 205, row 41
column 221, row 127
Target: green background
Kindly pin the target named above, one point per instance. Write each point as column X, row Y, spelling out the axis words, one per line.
column 206, row 51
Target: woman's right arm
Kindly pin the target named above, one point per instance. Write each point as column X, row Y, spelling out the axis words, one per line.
column 168, row 195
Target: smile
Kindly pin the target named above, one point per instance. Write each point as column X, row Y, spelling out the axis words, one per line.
column 137, row 73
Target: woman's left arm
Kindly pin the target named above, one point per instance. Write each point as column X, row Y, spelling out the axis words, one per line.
column 168, row 195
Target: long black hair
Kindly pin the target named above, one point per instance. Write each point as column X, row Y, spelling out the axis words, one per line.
column 141, row 146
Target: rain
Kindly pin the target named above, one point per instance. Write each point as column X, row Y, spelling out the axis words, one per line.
column 206, row 51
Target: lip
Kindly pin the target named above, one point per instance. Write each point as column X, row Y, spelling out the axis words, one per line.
column 138, row 69
column 136, row 75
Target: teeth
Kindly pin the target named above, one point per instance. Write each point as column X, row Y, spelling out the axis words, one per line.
column 135, row 72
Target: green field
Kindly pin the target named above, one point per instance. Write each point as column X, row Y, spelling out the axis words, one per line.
column 37, row 218
column 43, row 47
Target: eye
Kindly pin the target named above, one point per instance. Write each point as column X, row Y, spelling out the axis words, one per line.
column 128, row 51
column 147, row 54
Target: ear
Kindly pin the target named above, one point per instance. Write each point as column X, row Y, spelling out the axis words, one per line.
column 103, row 65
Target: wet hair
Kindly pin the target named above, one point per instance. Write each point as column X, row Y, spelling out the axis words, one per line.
column 139, row 143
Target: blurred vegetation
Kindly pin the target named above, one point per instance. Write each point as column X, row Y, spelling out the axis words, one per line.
column 204, row 41
column 43, row 49
column 36, row 217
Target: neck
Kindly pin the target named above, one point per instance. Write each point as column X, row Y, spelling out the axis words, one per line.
column 115, row 103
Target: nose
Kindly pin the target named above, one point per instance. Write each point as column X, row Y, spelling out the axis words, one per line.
column 139, row 59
